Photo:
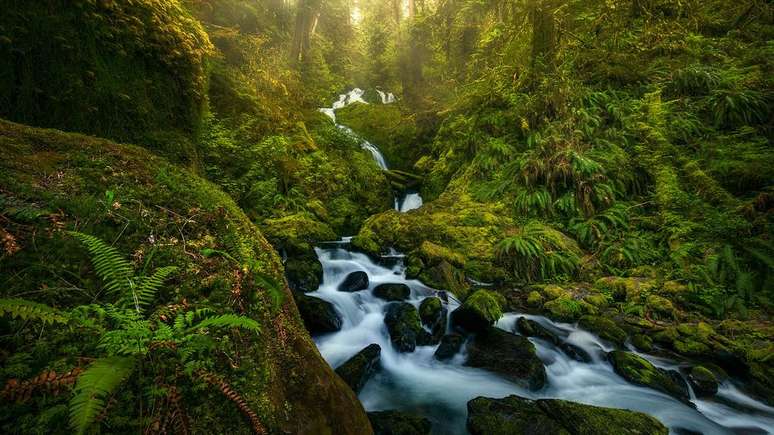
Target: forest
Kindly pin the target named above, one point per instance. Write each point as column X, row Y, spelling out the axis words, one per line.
column 390, row 217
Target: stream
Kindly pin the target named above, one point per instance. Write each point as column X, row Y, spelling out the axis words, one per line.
column 418, row 383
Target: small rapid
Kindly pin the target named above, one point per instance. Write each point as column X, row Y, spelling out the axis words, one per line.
column 416, row 382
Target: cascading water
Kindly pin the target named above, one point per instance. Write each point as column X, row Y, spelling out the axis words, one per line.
column 410, row 200
column 418, row 383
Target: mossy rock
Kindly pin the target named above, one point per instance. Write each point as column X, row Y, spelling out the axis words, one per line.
column 625, row 289
column 392, row 291
column 433, row 315
column 534, row 299
column 642, row 342
column 433, row 254
column 398, row 423
column 357, row 370
column 514, row 415
column 479, row 311
column 604, row 328
column 404, row 327
column 565, row 309
column 304, row 273
column 297, row 233
column 639, row 371
column 703, row 381
column 185, row 215
column 509, row 355
column 661, row 308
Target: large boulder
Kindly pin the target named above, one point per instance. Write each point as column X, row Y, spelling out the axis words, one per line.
column 514, row 415
column 355, row 281
column 392, row 292
column 638, row 370
column 398, row 423
column 357, row 370
column 480, row 311
column 512, row 356
column 433, row 315
column 319, row 316
column 450, row 346
column 402, row 320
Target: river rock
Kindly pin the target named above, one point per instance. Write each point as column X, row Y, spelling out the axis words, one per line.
column 605, row 328
column 319, row 316
column 512, row 356
column 450, row 346
column 304, row 274
column 514, row 415
column 703, row 381
column 355, row 281
column 638, row 370
column 402, row 320
column 480, row 311
column 398, row 423
column 392, row 292
column 531, row 328
column 433, row 315
column 358, row 369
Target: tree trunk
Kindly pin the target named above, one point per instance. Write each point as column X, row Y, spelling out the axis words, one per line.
column 306, row 19
column 544, row 38
column 411, row 9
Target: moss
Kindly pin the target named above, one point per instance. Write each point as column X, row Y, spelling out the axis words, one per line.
column 661, row 307
column 433, row 254
column 604, row 328
column 625, row 289
column 429, row 309
column 553, row 291
column 638, row 370
column 297, row 233
column 565, row 309
column 597, row 299
column 385, row 125
column 130, row 71
column 184, row 214
column 487, row 304
column 534, row 299
column 642, row 342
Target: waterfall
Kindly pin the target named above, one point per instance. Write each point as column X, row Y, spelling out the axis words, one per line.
column 418, row 383
column 410, row 200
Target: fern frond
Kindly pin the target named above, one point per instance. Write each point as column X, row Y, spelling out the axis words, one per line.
column 92, row 388
column 29, row 310
column 144, row 291
column 109, row 264
column 228, row 321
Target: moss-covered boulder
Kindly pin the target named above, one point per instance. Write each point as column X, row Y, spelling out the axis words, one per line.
column 642, row 342
column 604, row 328
column 450, row 346
column 319, row 316
column 639, row 371
column 703, row 381
column 392, row 291
column 357, row 370
column 304, row 273
column 398, row 423
column 514, row 415
column 161, row 215
column 433, row 315
column 403, row 325
column 509, row 355
column 623, row 289
column 479, row 311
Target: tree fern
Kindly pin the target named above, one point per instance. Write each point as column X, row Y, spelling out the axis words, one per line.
column 29, row 310
column 93, row 387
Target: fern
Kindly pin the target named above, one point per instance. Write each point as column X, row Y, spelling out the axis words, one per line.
column 145, row 288
column 94, row 385
column 228, row 321
column 538, row 251
column 28, row 310
column 109, row 264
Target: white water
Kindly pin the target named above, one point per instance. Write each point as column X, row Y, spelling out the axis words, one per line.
column 409, row 201
column 418, row 383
